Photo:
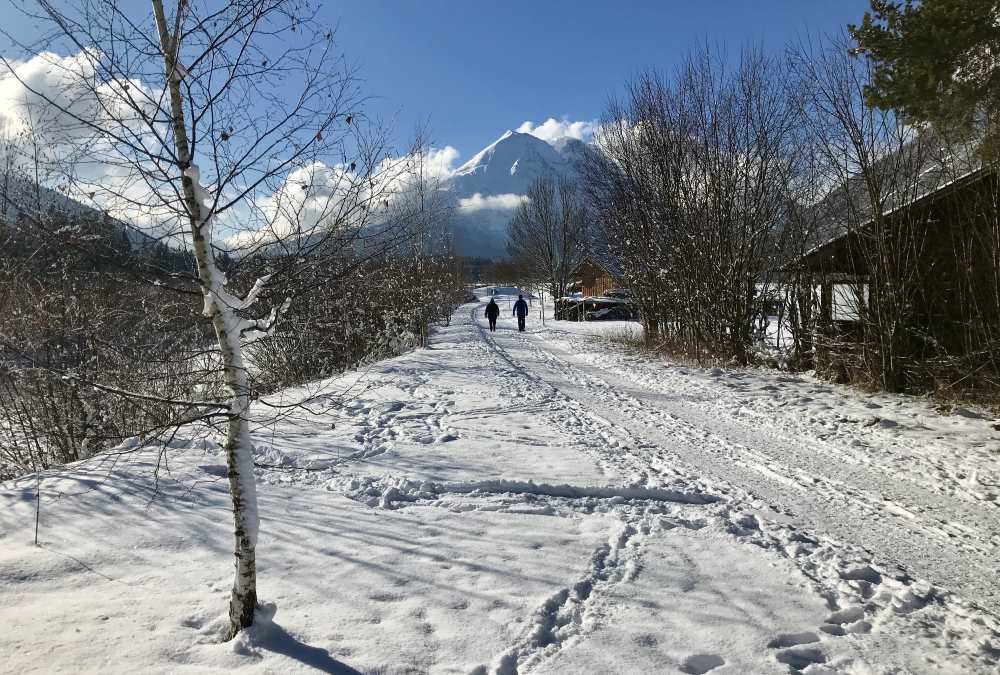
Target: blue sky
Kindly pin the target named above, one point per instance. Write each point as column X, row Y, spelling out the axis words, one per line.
column 475, row 68
column 472, row 69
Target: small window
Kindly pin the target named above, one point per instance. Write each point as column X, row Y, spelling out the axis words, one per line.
column 849, row 300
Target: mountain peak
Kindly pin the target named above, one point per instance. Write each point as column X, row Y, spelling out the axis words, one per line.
column 504, row 170
column 507, row 149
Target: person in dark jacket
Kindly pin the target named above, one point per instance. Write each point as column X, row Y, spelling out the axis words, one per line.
column 520, row 311
column 492, row 312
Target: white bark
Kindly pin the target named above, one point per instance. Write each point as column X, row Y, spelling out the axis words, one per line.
column 222, row 307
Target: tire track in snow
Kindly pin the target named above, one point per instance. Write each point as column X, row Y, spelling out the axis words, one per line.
column 860, row 592
column 746, row 459
column 969, row 473
column 806, row 481
column 635, row 460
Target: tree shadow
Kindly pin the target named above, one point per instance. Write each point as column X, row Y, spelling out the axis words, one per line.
column 269, row 636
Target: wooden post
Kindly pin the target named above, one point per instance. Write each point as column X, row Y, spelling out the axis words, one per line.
column 38, row 502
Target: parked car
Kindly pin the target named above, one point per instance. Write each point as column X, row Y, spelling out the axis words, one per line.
column 617, row 313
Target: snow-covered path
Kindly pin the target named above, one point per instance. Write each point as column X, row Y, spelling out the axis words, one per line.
column 870, row 492
column 540, row 502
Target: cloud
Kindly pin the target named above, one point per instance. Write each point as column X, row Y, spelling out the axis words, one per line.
column 84, row 100
column 397, row 176
column 317, row 196
column 83, row 164
column 73, row 157
column 310, row 198
column 553, row 129
column 504, row 202
column 441, row 161
column 52, row 77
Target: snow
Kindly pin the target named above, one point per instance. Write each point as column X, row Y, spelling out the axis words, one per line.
column 682, row 634
column 493, row 183
column 528, row 502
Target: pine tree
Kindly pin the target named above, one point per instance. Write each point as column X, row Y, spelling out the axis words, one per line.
column 936, row 61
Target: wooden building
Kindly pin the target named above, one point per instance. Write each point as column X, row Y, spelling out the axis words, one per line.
column 931, row 266
column 593, row 278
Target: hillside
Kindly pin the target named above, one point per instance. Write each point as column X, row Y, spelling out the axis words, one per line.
column 20, row 196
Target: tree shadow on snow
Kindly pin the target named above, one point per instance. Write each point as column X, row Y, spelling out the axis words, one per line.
column 269, row 636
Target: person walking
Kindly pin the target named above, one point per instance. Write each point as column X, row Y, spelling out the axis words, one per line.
column 520, row 311
column 492, row 312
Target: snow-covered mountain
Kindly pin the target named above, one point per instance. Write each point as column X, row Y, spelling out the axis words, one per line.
column 492, row 183
column 509, row 165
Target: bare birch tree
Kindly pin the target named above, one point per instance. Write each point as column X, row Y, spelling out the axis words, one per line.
column 206, row 119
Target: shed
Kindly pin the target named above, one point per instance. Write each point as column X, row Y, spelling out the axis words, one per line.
column 595, row 278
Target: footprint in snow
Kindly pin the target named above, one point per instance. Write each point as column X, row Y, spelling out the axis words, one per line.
column 846, row 615
column 698, row 664
column 800, row 658
column 193, row 621
column 385, row 597
column 785, row 640
column 861, row 573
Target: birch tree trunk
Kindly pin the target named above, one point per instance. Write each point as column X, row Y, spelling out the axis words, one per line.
column 221, row 308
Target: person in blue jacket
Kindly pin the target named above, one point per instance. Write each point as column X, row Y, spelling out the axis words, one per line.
column 520, row 311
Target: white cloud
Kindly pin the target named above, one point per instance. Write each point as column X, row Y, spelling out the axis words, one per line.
column 73, row 156
column 84, row 100
column 317, row 196
column 504, row 202
column 553, row 129
column 52, row 77
column 441, row 161
column 84, row 165
column 309, row 199
column 397, row 176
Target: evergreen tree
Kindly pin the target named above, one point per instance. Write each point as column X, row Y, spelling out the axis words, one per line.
column 936, row 61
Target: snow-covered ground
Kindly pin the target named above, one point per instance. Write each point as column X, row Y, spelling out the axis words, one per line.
column 539, row 502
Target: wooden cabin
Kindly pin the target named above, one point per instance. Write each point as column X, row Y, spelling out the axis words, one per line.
column 943, row 248
column 594, row 279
